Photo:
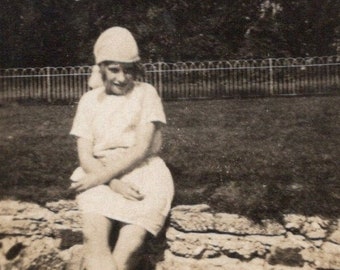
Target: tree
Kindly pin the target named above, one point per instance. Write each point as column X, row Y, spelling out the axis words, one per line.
column 11, row 32
column 63, row 32
column 263, row 38
column 309, row 26
column 293, row 28
column 209, row 30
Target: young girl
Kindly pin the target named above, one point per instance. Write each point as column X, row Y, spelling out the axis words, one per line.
column 123, row 182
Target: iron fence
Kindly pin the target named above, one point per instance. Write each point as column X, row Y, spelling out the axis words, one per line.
column 186, row 80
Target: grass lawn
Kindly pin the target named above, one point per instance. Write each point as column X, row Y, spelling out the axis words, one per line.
column 256, row 157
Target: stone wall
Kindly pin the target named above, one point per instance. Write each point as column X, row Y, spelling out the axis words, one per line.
column 34, row 237
column 200, row 239
column 49, row 237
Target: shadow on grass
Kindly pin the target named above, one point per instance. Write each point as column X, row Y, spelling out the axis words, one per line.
column 257, row 157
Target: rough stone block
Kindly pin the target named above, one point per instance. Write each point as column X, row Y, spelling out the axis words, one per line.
column 201, row 219
column 207, row 245
column 235, row 224
column 192, row 222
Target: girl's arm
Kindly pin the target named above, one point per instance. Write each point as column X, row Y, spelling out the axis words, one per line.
column 85, row 154
column 132, row 158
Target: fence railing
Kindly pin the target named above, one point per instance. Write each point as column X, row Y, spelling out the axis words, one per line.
column 186, row 80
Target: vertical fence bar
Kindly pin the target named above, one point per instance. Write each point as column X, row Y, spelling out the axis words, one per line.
column 2, row 96
column 160, row 79
column 263, row 77
column 48, row 89
column 271, row 82
column 15, row 85
column 337, row 71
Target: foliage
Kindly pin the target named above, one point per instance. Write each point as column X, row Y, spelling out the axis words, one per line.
column 309, row 26
column 61, row 33
column 293, row 29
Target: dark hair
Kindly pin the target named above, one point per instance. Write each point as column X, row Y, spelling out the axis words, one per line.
column 136, row 69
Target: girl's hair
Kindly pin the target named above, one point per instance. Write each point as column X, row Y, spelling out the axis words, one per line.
column 136, row 69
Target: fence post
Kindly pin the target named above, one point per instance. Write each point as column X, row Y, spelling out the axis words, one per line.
column 48, row 90
column 271, row 81
column 160, row 83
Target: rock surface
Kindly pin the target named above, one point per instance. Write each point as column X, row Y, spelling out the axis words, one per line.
column 199, row 239
column 36, row 237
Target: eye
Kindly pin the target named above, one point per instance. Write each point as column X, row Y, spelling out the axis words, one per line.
column 114, row 69
column 128, row 70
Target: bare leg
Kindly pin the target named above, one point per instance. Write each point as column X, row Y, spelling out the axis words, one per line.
column 96, row 230
column 130, row 239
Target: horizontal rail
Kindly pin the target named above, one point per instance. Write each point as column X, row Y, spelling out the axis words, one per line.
column 186, row 80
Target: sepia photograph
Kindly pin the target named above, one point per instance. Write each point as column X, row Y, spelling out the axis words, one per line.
column 170, row 135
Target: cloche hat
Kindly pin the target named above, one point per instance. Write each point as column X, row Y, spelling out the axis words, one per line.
column 116, row 44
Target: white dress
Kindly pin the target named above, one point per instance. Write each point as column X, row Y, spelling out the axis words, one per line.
column 110, row 121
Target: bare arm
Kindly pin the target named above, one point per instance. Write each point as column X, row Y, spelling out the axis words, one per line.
column 133, row 156
column 85, row 154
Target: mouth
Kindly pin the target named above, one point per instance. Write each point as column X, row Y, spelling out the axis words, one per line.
column 117, row 88
column 119, row 85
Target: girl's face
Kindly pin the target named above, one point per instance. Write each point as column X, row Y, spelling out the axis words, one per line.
column 116, row 78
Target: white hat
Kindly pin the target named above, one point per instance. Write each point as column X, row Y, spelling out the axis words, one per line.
column 116, row 44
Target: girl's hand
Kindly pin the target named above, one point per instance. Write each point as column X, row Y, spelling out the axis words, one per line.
column 127, row 190
column 88, row 181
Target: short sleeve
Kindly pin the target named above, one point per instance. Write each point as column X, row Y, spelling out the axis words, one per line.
column 82, row 121
column 152, row 108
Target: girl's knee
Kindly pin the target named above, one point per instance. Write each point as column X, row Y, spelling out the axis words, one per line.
column 96, row 228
